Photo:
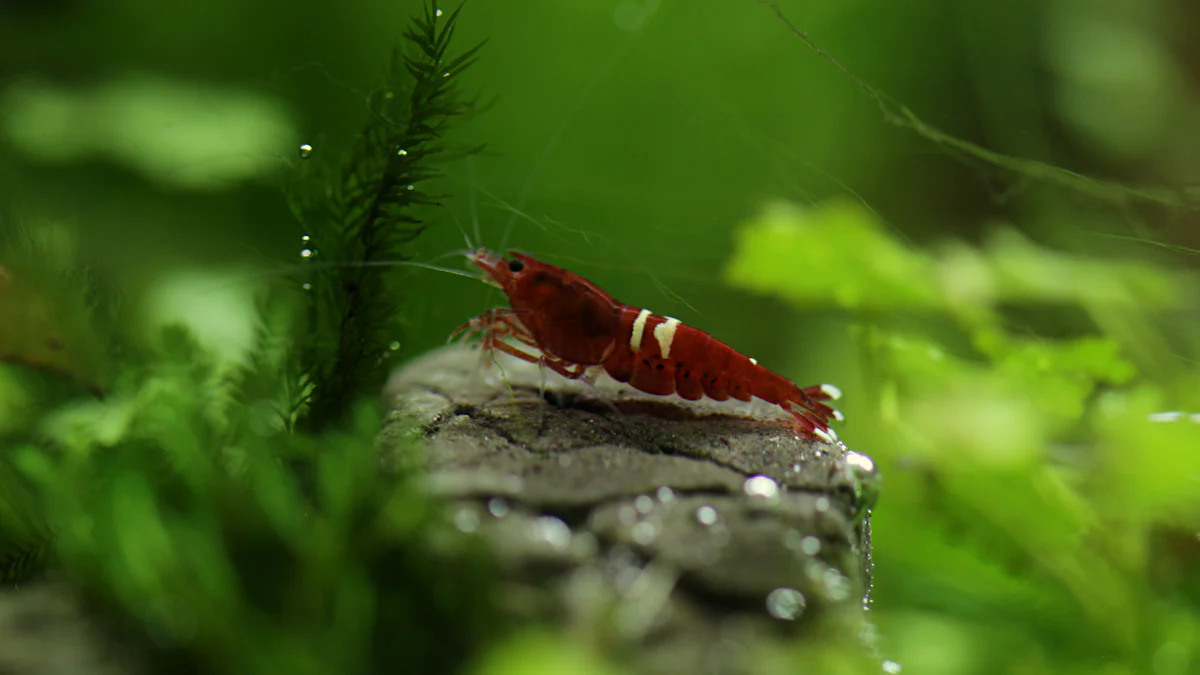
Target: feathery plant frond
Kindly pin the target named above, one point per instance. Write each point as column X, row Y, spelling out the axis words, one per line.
column 368, row 211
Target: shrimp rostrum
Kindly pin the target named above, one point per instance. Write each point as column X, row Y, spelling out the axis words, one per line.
column 576, row 329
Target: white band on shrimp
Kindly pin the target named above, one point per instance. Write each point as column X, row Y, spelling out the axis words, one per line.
column 639, row 327
column 831, row 391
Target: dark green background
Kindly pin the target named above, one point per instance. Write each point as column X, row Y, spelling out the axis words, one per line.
column 641, row 149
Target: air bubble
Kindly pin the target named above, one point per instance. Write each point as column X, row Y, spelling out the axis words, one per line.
column 627, row 515
column 822, row 504
column 644, row 504
column 810, row 545
column 785, row 603
column 306, row 253
column 706, row 515
column 306, row 151
column 437, row 12
column 644, row 533
column 305, row 237
column 860, row 462
column 467, row 520
column 395, row 345
column 410, row 186
column 892, row 668
column 402, row 152
column 552, row 531
column 761, row 486
column 837, row 586
column 665, row 494
column 306, row 286
column 498, row 507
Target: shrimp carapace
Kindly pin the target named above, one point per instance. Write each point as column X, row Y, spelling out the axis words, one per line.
column 577, row 328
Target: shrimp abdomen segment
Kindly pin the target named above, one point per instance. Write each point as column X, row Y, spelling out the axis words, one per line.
column 663, row 356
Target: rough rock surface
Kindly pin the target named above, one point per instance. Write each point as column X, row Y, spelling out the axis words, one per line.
column 44, row 630
column 683, row 528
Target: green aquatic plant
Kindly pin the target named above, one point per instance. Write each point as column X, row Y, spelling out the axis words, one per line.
column 1026, row 476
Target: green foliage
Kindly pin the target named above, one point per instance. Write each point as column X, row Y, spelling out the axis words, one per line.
column 1028, row 457
column 220, row 499
column 197, row 538
column 366, row 211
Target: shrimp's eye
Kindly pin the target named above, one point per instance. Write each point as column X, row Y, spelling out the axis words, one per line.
column 515, row 266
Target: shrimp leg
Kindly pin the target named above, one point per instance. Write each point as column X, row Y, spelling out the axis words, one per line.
column 499, row 323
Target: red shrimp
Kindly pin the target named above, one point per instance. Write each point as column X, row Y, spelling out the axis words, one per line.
column 580, row 330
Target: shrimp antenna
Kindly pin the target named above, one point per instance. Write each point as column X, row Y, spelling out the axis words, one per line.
column 471, row 201
column 558, row 132
column 404, row 263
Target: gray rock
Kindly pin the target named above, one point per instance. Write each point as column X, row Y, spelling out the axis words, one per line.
column 683, row 528
column 44, row 630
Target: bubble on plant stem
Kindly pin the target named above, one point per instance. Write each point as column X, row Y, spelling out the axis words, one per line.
column 306, row 253
column 410, row 186
column 437, row 12
column 306, row 286
column 402, row 152
column 891, row 667
column 305, row 237
column 306, row 151
column 395, row 345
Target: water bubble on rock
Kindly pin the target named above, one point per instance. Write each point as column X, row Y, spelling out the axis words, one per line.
column 644, row 532
column 860, row 462
column 466, row 520
column 822, row 504
column 810, row 545
column 644, row 504
column 761, row 486
column 498, row 507
column 553, row 531
column 706, row 515
column 793, row 539
column 627, row 515
column 785, row 603
column 665, row 494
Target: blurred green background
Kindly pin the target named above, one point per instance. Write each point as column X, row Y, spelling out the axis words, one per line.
column 997, row 360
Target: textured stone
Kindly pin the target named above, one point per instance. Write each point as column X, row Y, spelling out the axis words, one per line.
column 670, row 522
